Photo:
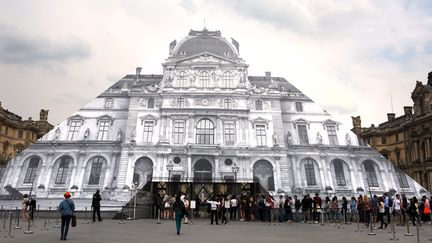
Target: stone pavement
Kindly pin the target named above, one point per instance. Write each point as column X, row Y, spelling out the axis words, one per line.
column 146, row 230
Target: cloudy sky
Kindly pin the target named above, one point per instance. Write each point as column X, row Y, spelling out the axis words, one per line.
column 349, row 56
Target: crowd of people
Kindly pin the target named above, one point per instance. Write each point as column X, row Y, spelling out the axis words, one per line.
column 265, row 207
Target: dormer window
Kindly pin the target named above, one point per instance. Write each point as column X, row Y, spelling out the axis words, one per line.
column 299, row 106
column 227, row 54
column 108, row 103
column 183, row 53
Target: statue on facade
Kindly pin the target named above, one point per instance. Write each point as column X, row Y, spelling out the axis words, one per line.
column 86, row 134
column 288, row 138
column 356, row 121
column 43, row 115
column 57, row 134
column 133, row 135
column 348, row 139
column 119, row 135
column 319, row 140
column 275, row 139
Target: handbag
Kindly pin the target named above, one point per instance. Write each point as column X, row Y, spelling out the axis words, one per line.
column 74, row 221
column 73, row 218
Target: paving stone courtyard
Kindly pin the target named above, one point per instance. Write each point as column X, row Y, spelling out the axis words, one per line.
column 146, row 230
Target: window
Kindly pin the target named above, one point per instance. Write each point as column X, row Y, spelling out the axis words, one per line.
column 401, row 177
column 20, row 133
column 227, row 80
column 108, row 103
column 299, row 106
column 227, row 104
column 339, row 172
column 151, row 103
column 96, row 170
column 229, row 133
column 103, row 130
column 179, row 129
column 261, row 135
column 331, row 131
column 180, row 102
column 30, row 175
column 258, row 105
column 27, row 134
column 148, row 131
column 370, row 174
column 205, row 132
column 310, row 172
column 74, row 128
column 6, row 131
column 383, row 140
column 181, row 79
column 63, row 170
column 303, row 135
column 205, row 79
column 397, row 137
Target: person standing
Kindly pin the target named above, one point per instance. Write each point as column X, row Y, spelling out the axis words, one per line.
column 213, row 211
column 24, row 207
column 233, row 208
column 96, row 205
column 66, row 208
column 179, row 210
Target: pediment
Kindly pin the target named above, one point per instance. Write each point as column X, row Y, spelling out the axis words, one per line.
column 149, row 117
column 259, row 120
column 205, row 58
column 105, row 118
column 76, row 117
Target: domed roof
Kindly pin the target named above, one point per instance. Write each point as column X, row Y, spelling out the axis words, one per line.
column 205, row 41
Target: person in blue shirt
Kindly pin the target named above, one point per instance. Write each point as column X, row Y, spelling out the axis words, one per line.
column 66, row 209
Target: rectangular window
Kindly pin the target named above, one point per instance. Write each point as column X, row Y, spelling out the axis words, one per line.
column 148, row 131
column 383, row 140
column 310, row 174
column 108, row 103
column 229, row 133
column 27, row 134
column 74, row 128
column 103, row 130
column 397, row 137
column 7, row 131
column 299, row 106
column 20, row 134
column 261, row 135
column 303, row 135
column 179, row 129
column 151, row 103
column 331, row 131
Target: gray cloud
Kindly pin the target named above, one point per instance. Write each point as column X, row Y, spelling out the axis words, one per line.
column 18, row 48
column 68, row 99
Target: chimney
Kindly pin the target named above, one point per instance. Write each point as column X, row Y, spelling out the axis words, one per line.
column 268, row 75
column 391, row 116
column 408, row 110
column 138, row 72
column 429, row 82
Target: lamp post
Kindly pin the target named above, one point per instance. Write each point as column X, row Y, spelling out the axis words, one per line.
column 170, row 167
column 134, row 188
column 235, row 169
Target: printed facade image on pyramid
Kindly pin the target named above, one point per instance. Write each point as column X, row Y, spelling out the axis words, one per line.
column 203, row 127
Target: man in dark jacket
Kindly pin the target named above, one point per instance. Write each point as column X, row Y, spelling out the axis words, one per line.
column 96, row 205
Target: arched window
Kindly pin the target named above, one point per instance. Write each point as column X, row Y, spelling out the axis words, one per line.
column 339, row 172
column 371, row 174
column 205, row 79
column 63, row 169
column 258, row 105
column 32, row 170
column 227, row 80
column 205, row 132
column 181, row 79
column 310, row 172
column 180, row 102
column 96, row 170
column 227, row 104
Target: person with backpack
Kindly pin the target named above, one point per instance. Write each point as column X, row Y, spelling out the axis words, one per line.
column 96, row 205
column 179, row 210
column 297, row 206
column 66, row 209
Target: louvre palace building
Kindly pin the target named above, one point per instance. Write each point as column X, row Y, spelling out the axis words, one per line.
column 204, row 127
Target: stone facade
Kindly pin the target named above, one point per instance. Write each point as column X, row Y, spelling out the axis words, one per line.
column 203, row 127
column 406, row 140
column 17, row 134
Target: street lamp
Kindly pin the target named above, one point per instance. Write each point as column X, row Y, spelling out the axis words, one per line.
column 235, row 169
column 170, row 167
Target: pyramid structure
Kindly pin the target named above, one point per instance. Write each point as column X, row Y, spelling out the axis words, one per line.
column 203, row 127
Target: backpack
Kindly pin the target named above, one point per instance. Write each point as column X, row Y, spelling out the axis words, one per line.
column 390, row 203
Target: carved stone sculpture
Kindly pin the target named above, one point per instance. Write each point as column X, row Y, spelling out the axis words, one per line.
column 57, row 134
column 319, row 138
column 275, row 139
column 86, row 134
column 348, row 139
